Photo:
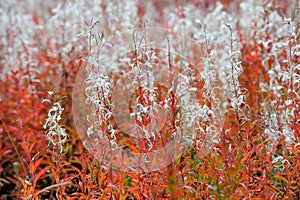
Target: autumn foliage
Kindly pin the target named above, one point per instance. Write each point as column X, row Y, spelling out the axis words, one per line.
column 251, row 49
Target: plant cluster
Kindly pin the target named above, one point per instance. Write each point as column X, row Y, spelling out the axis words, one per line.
column 232, row 93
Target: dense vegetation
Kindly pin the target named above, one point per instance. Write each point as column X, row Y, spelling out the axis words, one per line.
column 239, row 60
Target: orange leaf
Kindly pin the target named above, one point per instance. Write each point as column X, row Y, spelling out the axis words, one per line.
column 281, row 178
column 22, row 182
column 55, row 175
column 37, row 163
column 31, row 146
column 41, row 173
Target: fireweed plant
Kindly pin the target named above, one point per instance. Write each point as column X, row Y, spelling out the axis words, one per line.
column 159, row 87
column 55, row 133
column 216, row 80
